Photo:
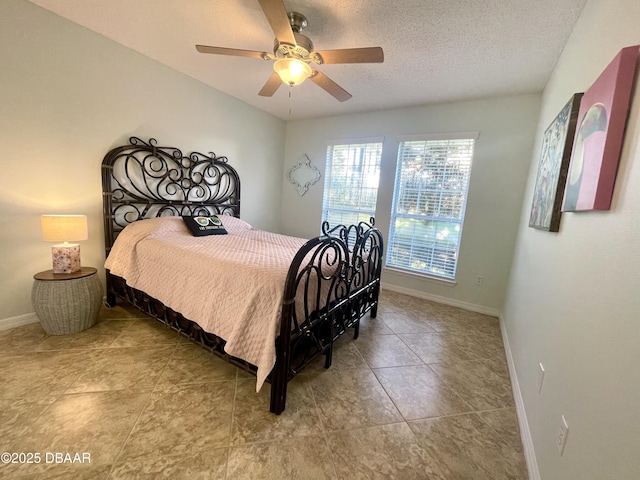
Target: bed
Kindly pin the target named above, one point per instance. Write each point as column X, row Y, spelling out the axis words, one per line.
column 318, row 289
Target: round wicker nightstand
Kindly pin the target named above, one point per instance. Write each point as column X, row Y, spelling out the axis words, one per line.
column 67, row 302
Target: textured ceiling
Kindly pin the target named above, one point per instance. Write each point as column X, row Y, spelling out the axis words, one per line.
column 435, row 50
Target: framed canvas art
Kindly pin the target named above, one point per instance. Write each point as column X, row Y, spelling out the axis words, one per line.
column 598, row 140
column 553, row 167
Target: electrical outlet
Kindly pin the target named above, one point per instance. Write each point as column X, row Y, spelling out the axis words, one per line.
column 479, row 280
column 540, row 377
column 561, row 440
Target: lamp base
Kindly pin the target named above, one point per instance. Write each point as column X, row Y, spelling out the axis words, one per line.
column 66, row 258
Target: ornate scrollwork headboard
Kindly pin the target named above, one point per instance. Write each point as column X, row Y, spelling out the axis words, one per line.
column 141, row 180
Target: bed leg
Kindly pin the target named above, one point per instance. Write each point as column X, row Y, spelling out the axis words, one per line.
column 278, row 395
column 356, row 330
column 279, row 382
column 110, row 301
column 328, row 356
column 277, row 403
column 375, row 298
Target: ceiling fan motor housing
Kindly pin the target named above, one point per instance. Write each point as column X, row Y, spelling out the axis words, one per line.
column 303, row 47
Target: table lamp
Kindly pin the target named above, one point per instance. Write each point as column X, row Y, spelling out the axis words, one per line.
column 64, row 228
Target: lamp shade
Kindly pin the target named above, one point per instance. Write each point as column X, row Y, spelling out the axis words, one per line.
column 292, row 71
column 64, row 228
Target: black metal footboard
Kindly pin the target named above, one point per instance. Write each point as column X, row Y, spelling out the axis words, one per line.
column 333, row 281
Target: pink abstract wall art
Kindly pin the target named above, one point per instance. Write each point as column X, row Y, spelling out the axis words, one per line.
column 598, row 140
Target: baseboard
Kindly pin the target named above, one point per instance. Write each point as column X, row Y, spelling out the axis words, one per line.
column 446, row 300
column 525, row 432
column 20, row 320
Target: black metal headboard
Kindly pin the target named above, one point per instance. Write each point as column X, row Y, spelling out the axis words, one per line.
column 141, row 180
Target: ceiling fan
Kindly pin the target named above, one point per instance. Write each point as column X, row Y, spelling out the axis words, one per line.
column 294, row 55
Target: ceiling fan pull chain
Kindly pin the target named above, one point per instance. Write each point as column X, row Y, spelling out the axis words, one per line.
column 290, row 92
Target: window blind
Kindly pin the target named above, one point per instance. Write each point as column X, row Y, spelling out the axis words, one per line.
column 432, row 181
column 352, row 175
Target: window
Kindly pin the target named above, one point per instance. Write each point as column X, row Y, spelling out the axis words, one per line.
column 351, row 182
column 432, row 180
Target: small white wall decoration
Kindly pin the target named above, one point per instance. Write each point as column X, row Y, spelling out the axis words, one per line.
column 303, row 174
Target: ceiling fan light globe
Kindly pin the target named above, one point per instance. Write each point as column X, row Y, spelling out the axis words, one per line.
column 292, row 71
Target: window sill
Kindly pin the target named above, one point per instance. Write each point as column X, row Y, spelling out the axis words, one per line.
column 421, row 276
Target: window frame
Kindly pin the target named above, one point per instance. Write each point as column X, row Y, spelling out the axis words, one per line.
column 402, row 140
column 328, row 177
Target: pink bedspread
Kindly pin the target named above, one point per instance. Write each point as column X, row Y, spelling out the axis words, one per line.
column 231, row 285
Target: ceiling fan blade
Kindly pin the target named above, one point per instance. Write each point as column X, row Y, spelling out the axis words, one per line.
column 329, row 86
column 230, row 51
column 352, row 55
column 276, row 14
column 271, row 86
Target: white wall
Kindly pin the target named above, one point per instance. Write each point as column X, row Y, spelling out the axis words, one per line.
column 499, row 171
column 67, row 96
column 573, row 301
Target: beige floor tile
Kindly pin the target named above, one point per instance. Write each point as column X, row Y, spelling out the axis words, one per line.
column 434, row 347
column 472, row 323
column 169, row 409
column 22, row 410
column 101, row 335
column 182, row 419
column 458, row 321
column 93, row 423
column 389, row 299
column 463, row 446
column 505, row 423
column 416, row 307
column 498, row 365
column 209, row 465
column 41, row 374
column 346, row 356
column 404, row 321
column 63, row 471
column 418, row 393
column 147, row 331
column 121, row 311
column 476, row 383
column 191, row 363
column 352, row 400
column 386, row 351
column 252, row 421
column 123, row 368
column 305, row 458
column 373, row 326
column 16, row 417
column 21, row 339
column 382, row 452
column 478, row 345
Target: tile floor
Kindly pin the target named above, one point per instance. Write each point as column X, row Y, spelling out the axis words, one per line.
column 424, row 393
